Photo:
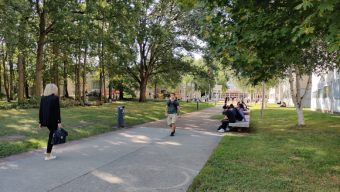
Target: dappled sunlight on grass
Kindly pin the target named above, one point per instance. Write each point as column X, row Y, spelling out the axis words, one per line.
column 278, row 156
column 37, row 142
column 231, row 134
column 336, row 168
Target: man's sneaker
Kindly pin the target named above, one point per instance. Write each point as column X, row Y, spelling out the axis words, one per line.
column 221, row 131
column 172, row 133
column 50, row 157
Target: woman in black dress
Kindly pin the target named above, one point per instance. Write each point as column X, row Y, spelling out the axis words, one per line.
column 49, row 115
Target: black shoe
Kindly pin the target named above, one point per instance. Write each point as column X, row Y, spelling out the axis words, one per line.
column 172, row 133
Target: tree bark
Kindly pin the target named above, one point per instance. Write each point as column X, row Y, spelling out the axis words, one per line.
column 262, row 104
column 296, row 93
column 298, row 98
column 11, row 78
column 1, row 82
column 65, row 76
column 155, row 93
column 142, row 91
column 77, row 77
column 1, row 78
column 110, row 90
column 103, row 74
column 26, row 87
column 84, row 74
column 55, row 69
column 104, row 84
column 21, row 82
column 101, row 71
column 121, row 91
column 40, row 53
column 5, row 73
column 142, row 72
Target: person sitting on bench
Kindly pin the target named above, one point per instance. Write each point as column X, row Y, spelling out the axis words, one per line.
column 229, row 116
column 241, row 110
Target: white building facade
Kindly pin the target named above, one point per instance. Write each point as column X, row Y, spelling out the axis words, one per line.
column 326, row 92
column 281, row 92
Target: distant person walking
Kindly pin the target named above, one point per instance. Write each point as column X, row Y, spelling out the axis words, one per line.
column 172, row 112
column 49, row 115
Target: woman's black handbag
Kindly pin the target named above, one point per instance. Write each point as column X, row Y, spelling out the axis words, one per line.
column 59, row 136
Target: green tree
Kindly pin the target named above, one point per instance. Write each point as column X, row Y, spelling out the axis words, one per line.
column 156, row 41
column 263, row 40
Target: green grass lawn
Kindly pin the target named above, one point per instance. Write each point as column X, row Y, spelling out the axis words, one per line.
column 80, row 122
column 277, row 155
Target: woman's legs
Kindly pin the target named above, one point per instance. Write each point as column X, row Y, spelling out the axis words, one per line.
column 49, row 142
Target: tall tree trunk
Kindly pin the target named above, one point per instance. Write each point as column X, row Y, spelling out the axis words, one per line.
column 40, row 53
column 11, row 78
column 43, row 32
column 296, row 93
column 75, row 79
column 5, row 73
column 0, row 82
column 103, row 85
column 65, row 76
column 155, row 93
column 262, row 104
column 55, row 68
column 77, row 83
column 100, row 85
column 121, row 91
column 21, row 82
column 84, row 74
column 26, row 87
column 101, row 70
column 110, row 90
column 142, row 90
column 78, row 75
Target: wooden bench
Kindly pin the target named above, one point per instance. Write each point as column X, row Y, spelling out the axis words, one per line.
column 241, row 125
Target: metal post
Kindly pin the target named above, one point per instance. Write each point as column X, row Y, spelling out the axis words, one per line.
column 120, row 116
column 197, row 104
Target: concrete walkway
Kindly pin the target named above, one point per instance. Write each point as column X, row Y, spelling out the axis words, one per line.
column 143, row 158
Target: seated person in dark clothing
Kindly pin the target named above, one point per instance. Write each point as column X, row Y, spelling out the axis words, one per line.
column 237, row 114
column 244, row 105
column 241, row 110
column 228, row 117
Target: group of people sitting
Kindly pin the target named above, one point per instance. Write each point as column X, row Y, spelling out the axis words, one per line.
column 231, row 115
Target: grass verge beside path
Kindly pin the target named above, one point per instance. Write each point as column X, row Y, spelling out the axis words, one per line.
column 278, row 156
column 80, row 122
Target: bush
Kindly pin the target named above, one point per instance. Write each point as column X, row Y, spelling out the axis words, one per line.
column 33, row 102
column 68, row 102
column 6, row 106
